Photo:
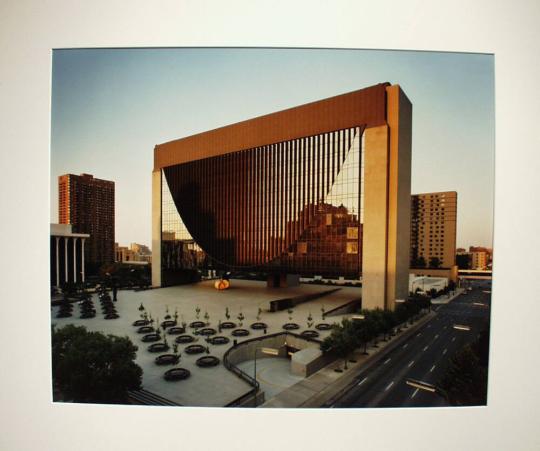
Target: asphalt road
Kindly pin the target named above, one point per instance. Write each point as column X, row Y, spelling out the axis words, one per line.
column 424, row 356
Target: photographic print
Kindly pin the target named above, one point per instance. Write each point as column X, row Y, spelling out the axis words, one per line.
column 271, row 227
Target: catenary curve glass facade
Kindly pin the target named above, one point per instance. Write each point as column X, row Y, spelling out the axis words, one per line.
column 289, row 207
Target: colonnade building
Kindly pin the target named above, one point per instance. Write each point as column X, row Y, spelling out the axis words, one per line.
column 67, row 255
column 318, row 189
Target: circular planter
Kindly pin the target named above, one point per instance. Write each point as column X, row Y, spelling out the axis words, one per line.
column 176, row 330
column 151, row 337
column 228, row 325
column 291, row 326
column 194, row 349
column 207, row 331
column 112, row 316
column 89, row 314
column 259, row 326
column 158, row 347
column 323, row 326
column 182, row 339
column 207, row 361
column 141, row 322
column 219, row 340
column 196, row 324
column 64, row 314
column 168, row 323
column 145, row 330
column 310, row 334
column 240, row 332
column 176, row 374
column 166, row 359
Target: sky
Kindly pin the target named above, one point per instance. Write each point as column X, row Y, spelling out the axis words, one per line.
column 110, row 107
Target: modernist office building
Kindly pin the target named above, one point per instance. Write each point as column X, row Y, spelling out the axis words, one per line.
column 318, row 189
column 433, row 228
column 87, row 204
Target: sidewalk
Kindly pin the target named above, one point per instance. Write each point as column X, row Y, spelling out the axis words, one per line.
column 327, row 384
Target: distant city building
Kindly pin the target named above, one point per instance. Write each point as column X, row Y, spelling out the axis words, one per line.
column 479, row 259
column 433, row 229
column 135, row 253
column 140, row 249
column 87, row 204
column 67, row 255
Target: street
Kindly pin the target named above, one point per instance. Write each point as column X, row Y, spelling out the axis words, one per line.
column 424, row 356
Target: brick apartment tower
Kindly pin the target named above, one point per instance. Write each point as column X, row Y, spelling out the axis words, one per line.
column 433, row 228
column 88, row 204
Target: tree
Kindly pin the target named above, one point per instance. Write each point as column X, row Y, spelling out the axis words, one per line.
column 465, row 381
column 420, row 262
column 434, row 262
column 93, row 367
column 463, row 261
column 342, row 341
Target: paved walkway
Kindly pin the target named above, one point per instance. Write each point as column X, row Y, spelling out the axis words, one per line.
column 207, row 386
column 273, row 374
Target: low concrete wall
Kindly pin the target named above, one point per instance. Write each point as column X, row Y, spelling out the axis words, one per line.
column 308, row 361
column 449, row 273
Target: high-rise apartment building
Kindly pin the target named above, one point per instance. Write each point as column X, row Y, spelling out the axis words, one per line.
column 433, row 229
column 87, row 204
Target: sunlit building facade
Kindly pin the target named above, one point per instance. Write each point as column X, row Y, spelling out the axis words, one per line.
column 284, row 194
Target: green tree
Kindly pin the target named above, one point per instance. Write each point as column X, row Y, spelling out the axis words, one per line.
column 463, row 261
column 465, row 381
column 434, row 262
column 93, row 367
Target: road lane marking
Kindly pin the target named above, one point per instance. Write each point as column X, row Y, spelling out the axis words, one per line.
column 425, row 349
column 362, row 381
column 444, row 352
column 419, row 334
column 386, row 361
column 432, row 368
column 429, row 325
column 405, row 345
column 410, row 363
column 414, row 394
column 454, row 339
column 389, row 385
column 436, row 336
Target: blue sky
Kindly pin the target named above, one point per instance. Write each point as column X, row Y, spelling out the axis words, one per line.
column 110, row 107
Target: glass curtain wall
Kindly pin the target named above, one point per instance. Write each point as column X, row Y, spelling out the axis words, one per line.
column 294, row 207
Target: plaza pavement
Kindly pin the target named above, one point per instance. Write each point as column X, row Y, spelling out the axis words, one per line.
column 214, row 386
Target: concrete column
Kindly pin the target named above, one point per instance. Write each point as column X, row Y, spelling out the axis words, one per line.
column 375, row 217
column 65, row 260
column 387, row 202
column 75, row 259
column 156, row 228
column 82, row 257
column 399, row 117
column 57, row 238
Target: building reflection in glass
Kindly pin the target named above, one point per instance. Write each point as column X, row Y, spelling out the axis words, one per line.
column 291, row 207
